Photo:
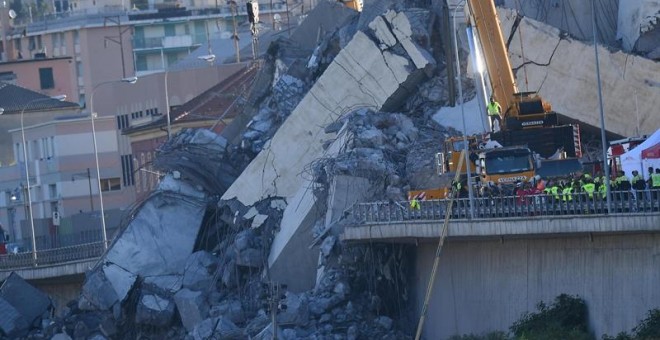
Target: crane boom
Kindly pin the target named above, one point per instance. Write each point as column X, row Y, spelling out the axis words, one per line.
column 520, row 109
column 483, row 16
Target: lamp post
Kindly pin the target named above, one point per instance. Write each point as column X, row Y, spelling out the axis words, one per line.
column 209, row 58
column 92, row 116
column 27, row 172
column 89, row 181
column 460, row 94
column 602, row 114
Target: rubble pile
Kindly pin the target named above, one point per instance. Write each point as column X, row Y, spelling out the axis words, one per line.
column 188, row 264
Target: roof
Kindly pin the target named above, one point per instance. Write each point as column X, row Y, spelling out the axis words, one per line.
column 15, row 98
column 215, row 103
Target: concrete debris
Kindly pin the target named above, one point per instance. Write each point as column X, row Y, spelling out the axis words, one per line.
column 120, row 280
column 154, row 310
column 168, row 283
column 199, row 269
column 230, row 309
column 258, row 221
column 98, row 291
column 28, row 301
column 192, row 307
column 327, row 245
column 217, row 327
column 12, row 323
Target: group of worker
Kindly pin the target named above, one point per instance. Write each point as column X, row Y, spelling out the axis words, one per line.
column 565, row 189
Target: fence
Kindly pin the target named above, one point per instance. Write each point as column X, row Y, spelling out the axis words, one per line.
column 510, row 206
column 52, row 256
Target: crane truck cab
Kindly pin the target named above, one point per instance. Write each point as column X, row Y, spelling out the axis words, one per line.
column 506, row 165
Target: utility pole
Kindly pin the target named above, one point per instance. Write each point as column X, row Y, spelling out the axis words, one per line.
column 232, row 3
column 117, row 39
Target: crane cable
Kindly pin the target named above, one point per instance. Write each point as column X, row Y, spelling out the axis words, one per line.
column 522, row 48
column 436, row 262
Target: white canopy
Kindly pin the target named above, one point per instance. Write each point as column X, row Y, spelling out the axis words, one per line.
column 632, row 160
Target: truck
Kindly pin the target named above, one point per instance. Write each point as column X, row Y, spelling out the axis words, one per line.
column 531, row 139
column 528, row 119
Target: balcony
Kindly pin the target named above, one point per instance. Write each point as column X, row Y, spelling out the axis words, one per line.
column 180, row 41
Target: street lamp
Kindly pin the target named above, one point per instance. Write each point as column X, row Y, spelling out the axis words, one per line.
column 27, row 172
column 209, row 58
column 460, row 94
column 92, row 116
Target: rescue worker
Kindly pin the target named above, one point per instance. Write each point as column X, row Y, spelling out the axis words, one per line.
column 638, row 184
column 589, row 187
column 494, row 114
column 567, row 192
column 655, row 184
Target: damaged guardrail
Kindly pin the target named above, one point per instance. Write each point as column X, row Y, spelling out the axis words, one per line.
column 51, row 256
column 510, row 206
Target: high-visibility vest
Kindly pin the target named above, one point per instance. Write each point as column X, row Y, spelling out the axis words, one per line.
column 603, row 190
column 555, row 191
column 493, row 109
column 655, row 180
column 589, row 188
column 567, row 193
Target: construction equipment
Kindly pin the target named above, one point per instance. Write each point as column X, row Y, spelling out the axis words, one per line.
column 528, row 119
column 354, row 4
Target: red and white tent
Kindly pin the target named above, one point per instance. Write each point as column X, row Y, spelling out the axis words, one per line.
column 643, row 156
column 652, row 152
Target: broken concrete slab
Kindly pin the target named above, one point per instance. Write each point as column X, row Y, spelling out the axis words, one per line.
column 215, row 327
column 569, row 80
column 121, row 280
column 168, row 283
column 383, row 33
column 29, row 301
column 160, row 237
column 258, row 221
column 98, row 291
column 199, row 269
column 402, row 29
column 232, row 310
column 359, row 76
column 192, row 306
column 12, row 322
column 154, row 310
column 325, row 18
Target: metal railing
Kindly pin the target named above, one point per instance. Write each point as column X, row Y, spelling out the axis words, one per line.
column 510, row 206
column 51, row 256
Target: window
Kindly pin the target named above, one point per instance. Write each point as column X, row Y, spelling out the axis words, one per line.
column 46, row 78
column 170, row 30
column 111, row 184
column 52, row 191
column 76, row 38
column 31, row 44
column 79, row 69
column 127, row 170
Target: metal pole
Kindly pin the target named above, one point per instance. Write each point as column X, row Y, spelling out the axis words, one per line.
column 27, row 173
column 233, row 16
column 460, row 94
column 89, row 181
column 92, row 116
column 603, row 141
column 98, row 169
column 167, row 107
column 27, row 179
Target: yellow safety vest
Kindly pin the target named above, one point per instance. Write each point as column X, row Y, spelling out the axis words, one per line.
column 589, row 188
column 655, row 180
column 494, row 109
